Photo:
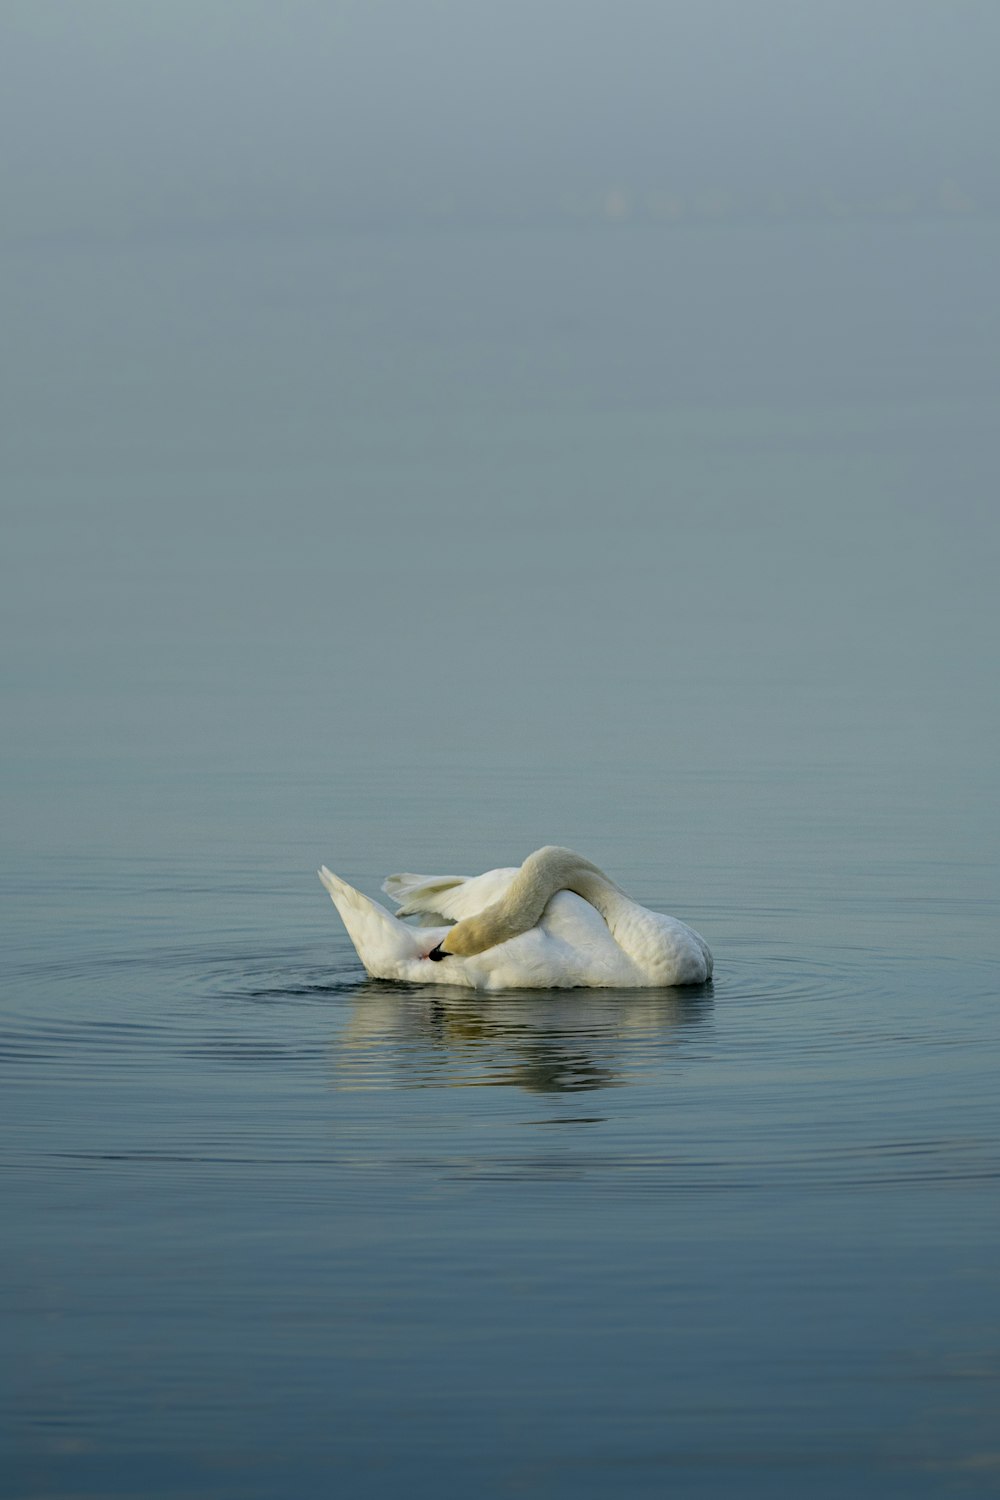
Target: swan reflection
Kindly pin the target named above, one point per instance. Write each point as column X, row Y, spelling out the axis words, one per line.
column 550, row 1042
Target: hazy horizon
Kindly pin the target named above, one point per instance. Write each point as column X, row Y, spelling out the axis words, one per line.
column 121, row 121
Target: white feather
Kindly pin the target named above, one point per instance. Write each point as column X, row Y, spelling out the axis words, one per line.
column 447, row 898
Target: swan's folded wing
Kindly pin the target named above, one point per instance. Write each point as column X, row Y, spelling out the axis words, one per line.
column 447, row 898
column 420, row 893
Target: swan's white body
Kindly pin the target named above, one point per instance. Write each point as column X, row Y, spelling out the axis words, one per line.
column 556, row 922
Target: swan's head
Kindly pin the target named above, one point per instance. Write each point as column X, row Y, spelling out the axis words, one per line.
column 470, row 936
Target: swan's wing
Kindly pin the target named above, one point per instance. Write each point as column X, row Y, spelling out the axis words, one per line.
column 419, row 893
column 447, row 898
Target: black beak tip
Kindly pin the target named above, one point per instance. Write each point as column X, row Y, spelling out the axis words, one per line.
column 436, row 954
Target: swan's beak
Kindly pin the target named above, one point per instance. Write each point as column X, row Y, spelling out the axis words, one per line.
column 436, row 954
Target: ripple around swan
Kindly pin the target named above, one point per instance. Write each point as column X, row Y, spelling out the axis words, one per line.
column 855, row 998
column 780, row 1075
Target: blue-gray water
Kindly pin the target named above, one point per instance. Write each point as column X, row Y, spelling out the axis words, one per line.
column 417, row 552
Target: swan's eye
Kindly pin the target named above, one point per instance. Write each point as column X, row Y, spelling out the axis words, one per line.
column 436, row 954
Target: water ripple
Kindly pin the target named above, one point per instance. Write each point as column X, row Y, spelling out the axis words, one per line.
column 804, row 1076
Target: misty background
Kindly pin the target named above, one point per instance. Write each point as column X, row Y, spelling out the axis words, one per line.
column 523, row 383
column 177, row 118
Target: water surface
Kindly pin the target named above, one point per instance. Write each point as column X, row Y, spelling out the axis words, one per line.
column 419, row 552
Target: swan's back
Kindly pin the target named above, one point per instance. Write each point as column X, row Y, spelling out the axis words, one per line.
column 571, row 946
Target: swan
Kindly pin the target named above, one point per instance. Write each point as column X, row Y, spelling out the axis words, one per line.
column 557, row 922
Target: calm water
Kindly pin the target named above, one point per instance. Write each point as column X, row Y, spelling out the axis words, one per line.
column 417, row 553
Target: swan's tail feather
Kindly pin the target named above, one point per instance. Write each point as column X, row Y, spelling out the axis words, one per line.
column 381, row 939
column 416, row 893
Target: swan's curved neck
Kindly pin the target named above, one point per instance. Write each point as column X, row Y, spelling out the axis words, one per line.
column 542, row 874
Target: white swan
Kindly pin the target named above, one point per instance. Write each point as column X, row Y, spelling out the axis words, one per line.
column 557, row 922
